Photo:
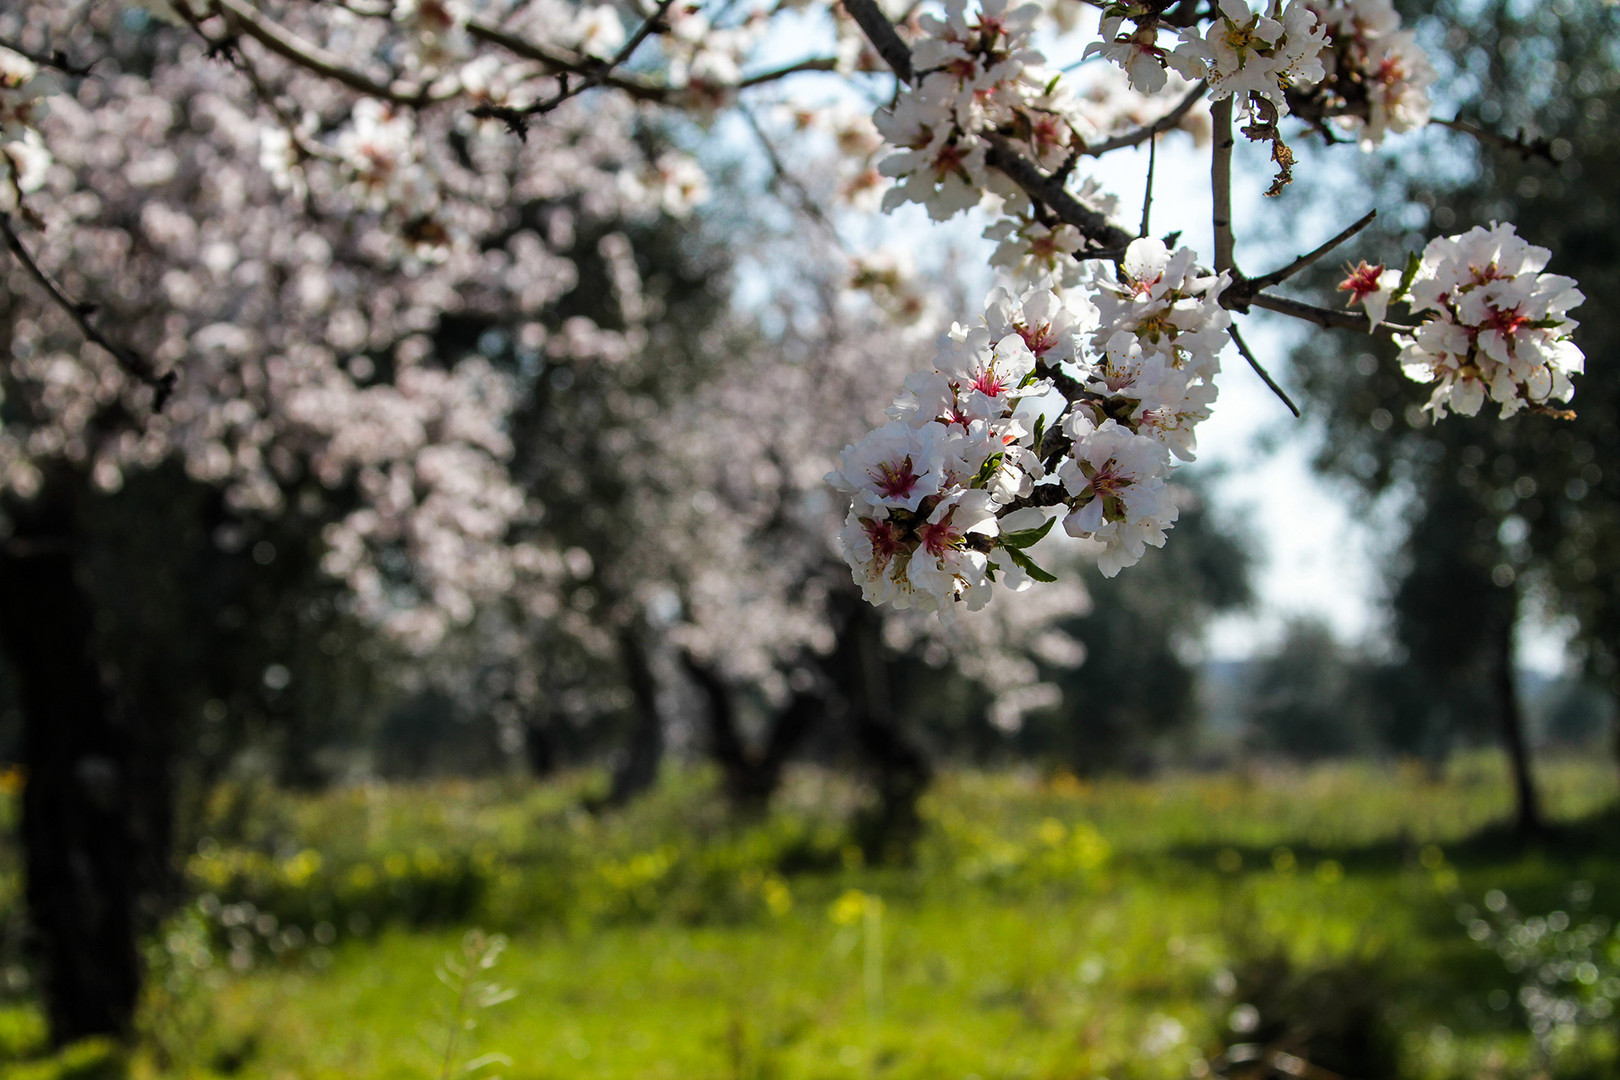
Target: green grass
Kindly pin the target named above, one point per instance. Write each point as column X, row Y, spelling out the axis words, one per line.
column 1047, row 929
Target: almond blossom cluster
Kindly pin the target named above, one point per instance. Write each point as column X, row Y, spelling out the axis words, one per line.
column 1494, row 325
column 1156, row 351
column 1250, row 54
column 934, row 489
column 1376, row 76
column 948, row 494
column 974, row 74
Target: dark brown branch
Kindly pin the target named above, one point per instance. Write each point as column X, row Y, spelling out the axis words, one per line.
column 1520, row 144
column 56, row 59
column 1147, row 195
column 817, row 63
column 882, row 34
column 1106, row 238
column 1143, row 134
column 134, row 364
column 1328, row 318
column 1281, row 274
column 1220, row 189
column 1265, row 376
column 598, row 71
column 557, row 61
column 242, row 17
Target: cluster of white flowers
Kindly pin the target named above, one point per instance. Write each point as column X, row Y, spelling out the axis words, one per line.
column 947, row 494
column 1138, row 50
column 1372, row 66
column 23, row 157
column 1157, row 346
column 973, row 75
column 934, row 490
column 1249, row 53
column 1496, row 326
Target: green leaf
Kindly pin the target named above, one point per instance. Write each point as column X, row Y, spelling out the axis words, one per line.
column 1040, row 430
column 1027, row 565
column 1026, row 537
column 1413, row 261
column 988, row 469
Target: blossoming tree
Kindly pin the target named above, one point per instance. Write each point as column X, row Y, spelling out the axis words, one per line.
column 238, row 231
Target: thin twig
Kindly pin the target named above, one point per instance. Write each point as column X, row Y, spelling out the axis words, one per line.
column 132, row 362
column 1328, row 318
column 1281, row 274
column 1147, row 196
column 882, row 34
column 56, row 58
column 1526, row 147
column 815, row 63
column 1265, row 376
column 556, row 61
column 593, row 73
column 807, row 203
column 1220, row 188
column 240, row 15
column 1143, row 134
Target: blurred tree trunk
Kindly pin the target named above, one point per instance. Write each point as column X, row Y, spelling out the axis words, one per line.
column 96, row 808
column 752, row 772
column 902, row 771
column 637, row 767
column 1510, row 714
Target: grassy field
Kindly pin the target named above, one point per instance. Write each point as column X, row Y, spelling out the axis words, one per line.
column 1048, row 928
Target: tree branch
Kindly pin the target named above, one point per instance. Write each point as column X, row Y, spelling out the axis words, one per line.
column 133, row 363
column 56, row 58
column 1162, row 124
column 1265, row 376
column 1220, row 189
column 241, row 16
column 1266, row 281
column 882, row 34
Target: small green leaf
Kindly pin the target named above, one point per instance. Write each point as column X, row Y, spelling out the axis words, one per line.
column 1053, row 85
column 1027, row 565
column 988, row 469
column 1413, row 261
column 1026, row 537
column 1040, row 429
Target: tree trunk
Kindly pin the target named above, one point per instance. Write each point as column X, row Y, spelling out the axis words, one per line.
column 903, row 772
column 1510, row 714
column 96, row 810
column 637, row 768
column 752, row 773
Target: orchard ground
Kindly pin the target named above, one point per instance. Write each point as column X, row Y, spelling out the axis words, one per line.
column 1047, row 927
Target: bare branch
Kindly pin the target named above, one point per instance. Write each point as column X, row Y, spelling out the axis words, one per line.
column 1220, row 188
column 1147, row 195
column 56, row 58
column 1105, row 237
column 817, row 63
column 1327, row 318
column 1520, row 144
column 241, row 16
column 558, row 61
column 1162, row 124
column 136, row 365
column 807, row 202
column 1266, row 281
column 1265, row 376
column 882, row 34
